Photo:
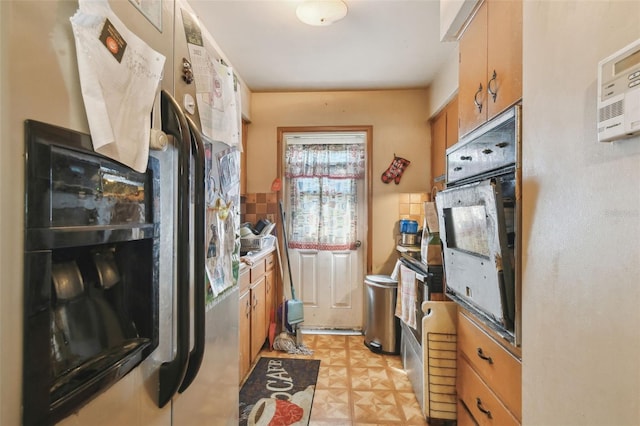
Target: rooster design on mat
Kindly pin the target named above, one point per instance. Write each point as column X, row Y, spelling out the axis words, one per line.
column 280, row 412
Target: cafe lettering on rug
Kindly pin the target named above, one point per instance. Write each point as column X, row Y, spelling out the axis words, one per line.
column 279, row 380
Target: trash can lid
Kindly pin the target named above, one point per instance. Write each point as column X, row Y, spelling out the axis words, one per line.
column 381, row 279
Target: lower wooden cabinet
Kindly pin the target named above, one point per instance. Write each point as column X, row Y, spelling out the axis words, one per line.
column 483, row 405
column 489, row 382
column 244, row 323
column 257, row 293
column 464, row 417
column 258, row 314
column 270, row 289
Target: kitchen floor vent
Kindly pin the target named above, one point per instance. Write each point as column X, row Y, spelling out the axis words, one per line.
column 439, row 343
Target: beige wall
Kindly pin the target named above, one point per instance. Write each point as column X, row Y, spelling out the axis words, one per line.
column 445, row 83
column 9, row 358
column 581, row 292
column 400, row 126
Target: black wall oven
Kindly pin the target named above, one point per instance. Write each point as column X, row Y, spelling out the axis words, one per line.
column 479, row 217
column 90, row 279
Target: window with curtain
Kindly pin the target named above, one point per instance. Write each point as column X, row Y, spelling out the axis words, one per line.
column 322, row 184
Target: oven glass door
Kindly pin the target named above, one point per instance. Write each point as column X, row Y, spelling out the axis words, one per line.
column 477, row 259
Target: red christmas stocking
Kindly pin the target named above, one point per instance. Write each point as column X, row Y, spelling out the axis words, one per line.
column 395, row 170
column 403, row 165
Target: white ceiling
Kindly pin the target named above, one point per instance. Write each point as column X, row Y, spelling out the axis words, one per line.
column 380, row 44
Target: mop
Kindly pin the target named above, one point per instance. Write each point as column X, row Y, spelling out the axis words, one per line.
column 294, row 307
column 285, row 341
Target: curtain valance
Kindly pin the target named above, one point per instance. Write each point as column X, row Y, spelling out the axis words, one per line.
column 336, row 161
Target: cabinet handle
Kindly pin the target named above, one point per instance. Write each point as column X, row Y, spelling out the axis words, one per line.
column 457, row 169
column 485, row 357
column 475, row 98
column 487, row 151
column 493, row 93
column 466, row 157
column 502, row 144
column 481, row 408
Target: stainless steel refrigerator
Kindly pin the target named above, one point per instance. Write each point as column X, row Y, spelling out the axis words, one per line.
column 192, row 375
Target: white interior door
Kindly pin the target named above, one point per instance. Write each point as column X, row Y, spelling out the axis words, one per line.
column 330, row 282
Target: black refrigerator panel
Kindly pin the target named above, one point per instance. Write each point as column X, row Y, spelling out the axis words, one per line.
column 91, row 280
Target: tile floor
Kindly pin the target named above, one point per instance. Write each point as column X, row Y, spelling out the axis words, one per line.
column 356, row 386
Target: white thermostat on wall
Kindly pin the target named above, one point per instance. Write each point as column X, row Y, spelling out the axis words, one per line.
column 619, row 94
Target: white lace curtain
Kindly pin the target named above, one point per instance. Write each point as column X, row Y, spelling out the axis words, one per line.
column 322, row 187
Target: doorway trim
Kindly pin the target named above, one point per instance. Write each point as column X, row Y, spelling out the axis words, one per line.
column 368, row 130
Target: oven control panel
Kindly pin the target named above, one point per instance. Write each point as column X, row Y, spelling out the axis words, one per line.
column 489, row 148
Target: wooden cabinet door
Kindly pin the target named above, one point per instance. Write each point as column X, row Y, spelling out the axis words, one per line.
column 464, row 418
column 452, row 122
column 244, row 327
column 258, row 312
column 498, row 368
column 472, row 85
column 444, row 134
column 485, row 407
column 270, row 287
column 504, row 54
column 438, row 145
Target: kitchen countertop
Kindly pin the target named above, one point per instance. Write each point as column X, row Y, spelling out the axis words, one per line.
column 408, row 249
column 252, row 257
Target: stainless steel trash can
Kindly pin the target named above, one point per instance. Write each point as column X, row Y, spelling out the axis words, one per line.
column 382, row 327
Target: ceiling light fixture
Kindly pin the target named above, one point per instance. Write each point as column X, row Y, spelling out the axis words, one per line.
column 321, row 12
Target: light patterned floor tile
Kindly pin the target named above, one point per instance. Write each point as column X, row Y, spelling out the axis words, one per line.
column 374, row 378
column 400, row 380
column 356, row 342
column 332, row 356
column 360, row 347
column 365, row 359
column 334, row 377
column 410, row 408
column 326, row 341
column 380, row 406
column 331, row 404
column 357, row 387
column 393, row 361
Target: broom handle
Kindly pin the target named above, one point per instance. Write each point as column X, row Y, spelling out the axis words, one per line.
column 286, row 249
column 281, row 269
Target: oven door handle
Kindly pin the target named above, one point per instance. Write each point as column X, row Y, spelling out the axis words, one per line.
column 197, row 354
column 173, row 372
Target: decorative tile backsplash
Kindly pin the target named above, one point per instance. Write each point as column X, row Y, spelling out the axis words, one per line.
column 412, row 206
column 259, row 206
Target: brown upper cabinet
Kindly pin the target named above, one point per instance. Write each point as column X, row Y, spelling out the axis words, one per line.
column 490, row 73
column 452, row 122
column 444, row 134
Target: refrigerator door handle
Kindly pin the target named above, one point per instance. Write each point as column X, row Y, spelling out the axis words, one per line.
column 172, row 372
column 196, row 355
